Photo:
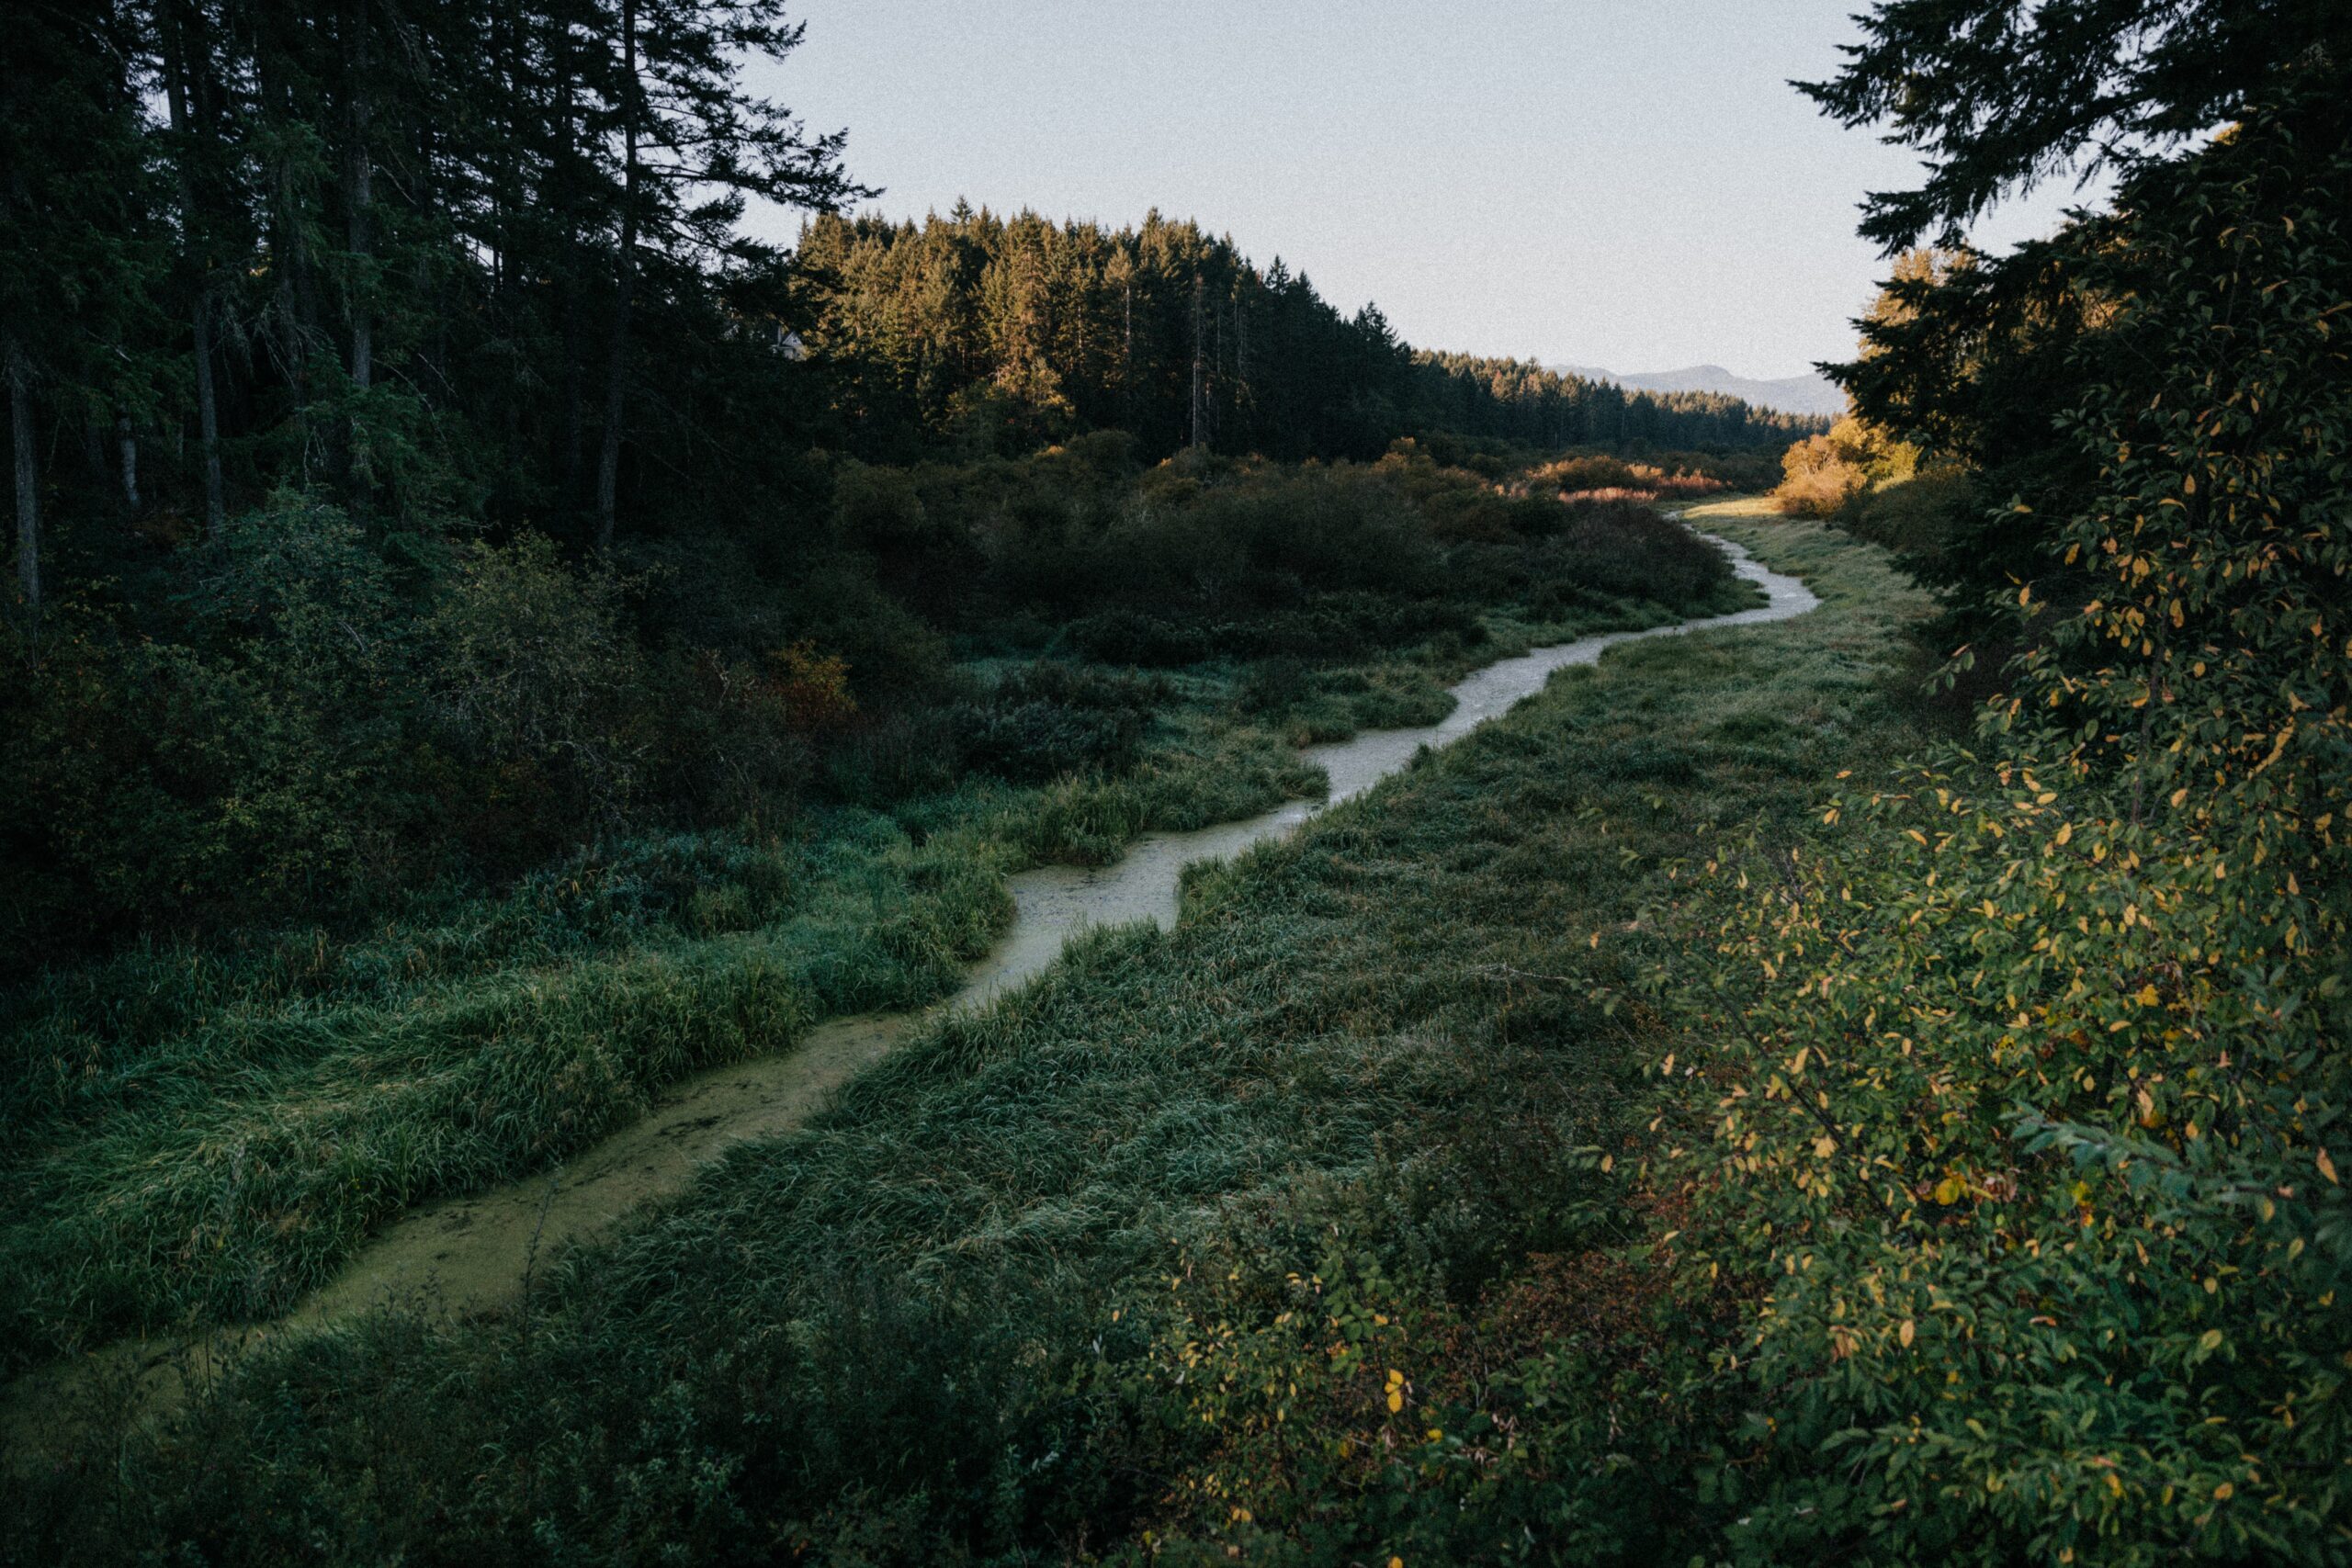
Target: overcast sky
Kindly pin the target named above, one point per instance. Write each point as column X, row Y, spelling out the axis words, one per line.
column 1628, row 184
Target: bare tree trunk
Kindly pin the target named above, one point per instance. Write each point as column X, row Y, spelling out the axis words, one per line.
column 361, row 175
column 208, row 412
column 609, row 465
column 128, row 439
column 20, row 420
column 177, row 67
column 1200, row 367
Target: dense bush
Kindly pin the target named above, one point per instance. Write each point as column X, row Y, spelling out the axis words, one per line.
column 1626, row 548
column 328, row 723
column 2011, row 1114
column 1046, row 720
column 1915, row 518
column 1823, row 475
column 1601, row 476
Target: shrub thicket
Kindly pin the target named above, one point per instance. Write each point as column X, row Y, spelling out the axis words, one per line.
column 2021, row 1101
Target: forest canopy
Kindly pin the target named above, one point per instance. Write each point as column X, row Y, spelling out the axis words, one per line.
column 988, row 332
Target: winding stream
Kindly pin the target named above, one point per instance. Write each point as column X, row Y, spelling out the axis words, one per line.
column 472, row 1252
column 476, row 1253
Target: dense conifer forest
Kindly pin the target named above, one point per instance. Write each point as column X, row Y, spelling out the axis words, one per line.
column 498, row 650
column 409, row 435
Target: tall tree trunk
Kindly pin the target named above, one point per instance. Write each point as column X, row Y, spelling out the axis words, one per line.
column 563, row 199
column 1200, row 365
column 208, row 412
column 128, row 439
column 289, row 238
column 361, row 176
column 1244, row 416
column 1217, row 362
column 609, row 465
column 177, row 71
column 21, row 421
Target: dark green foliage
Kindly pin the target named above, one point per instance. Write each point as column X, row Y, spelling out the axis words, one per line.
column 1920, row 520
column 1628, row 549
column 1340, row 626
column 1996, row 95
column 1046, row 720
column 1982, row 362
column 352, row 308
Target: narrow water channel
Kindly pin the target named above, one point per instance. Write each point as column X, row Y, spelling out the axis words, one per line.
column 1054, row 902
column 473, row 1252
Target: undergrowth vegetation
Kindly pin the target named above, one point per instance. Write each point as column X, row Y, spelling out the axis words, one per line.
column 310, row 728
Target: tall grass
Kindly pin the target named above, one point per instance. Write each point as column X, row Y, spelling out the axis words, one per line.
column 206, row 1137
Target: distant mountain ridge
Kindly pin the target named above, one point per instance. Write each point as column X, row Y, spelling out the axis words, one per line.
column 1811, row 393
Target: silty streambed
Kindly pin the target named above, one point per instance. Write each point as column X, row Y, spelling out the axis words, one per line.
column 475, row 1253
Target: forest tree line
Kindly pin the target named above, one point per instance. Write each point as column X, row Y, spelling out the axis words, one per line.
column 443, row 261
column 997, row 332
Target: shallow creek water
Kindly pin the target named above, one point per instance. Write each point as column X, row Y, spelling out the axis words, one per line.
column 476, row 1253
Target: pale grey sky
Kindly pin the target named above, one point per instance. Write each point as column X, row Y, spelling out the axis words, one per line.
column 1622, row 183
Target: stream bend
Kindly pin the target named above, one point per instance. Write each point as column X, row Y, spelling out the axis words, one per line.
column 470, row 1253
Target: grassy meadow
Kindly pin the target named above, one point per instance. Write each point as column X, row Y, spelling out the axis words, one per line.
column 932, row 1324
column 200, row 1133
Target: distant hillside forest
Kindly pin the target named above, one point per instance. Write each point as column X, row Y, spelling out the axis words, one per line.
column 995, row 332
column 488, row 263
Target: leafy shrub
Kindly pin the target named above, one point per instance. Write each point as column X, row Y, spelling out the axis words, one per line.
column 1823, row 475
column 255, row 766
column 1047, row 719
column 2009, row 1112
column 1600, row 477
column 894, row 756
column 1626, row 548
column 1915, row 518
column 1817, row 478
column 531, row 674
